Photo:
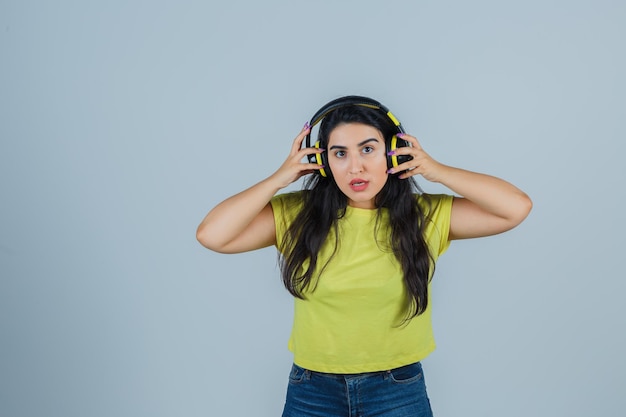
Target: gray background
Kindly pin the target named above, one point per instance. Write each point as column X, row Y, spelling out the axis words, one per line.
column 123, row 122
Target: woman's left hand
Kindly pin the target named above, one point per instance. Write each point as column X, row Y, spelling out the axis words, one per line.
column 487, row 205
column 421, row 164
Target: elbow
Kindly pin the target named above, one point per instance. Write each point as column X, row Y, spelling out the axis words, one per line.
column 522, row 209
column 204, row 238
column 210, row 240
column 526, row 206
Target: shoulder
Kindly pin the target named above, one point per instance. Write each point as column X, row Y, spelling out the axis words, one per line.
column 285, row 209
column 437, row 210
column 434, row 204
column 287, row 201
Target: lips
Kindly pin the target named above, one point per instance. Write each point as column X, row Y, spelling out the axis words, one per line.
column 358, row 184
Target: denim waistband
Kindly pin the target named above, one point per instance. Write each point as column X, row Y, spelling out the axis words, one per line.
column 308, row 372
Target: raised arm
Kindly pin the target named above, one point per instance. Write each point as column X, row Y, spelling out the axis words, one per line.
column 488, row 205
column 245, row 221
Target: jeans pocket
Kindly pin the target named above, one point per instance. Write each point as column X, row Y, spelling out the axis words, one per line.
column 406, row 374
column 297, row 374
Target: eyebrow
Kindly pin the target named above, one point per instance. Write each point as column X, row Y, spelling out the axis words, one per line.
column 359, row 144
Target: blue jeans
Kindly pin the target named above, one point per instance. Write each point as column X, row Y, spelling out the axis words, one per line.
column 399, row 392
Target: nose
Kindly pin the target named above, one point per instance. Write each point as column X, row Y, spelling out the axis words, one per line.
column 356, row 165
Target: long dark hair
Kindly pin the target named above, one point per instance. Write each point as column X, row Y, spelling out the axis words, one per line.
column 324, row 204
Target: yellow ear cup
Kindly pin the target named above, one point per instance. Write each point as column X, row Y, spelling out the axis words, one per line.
column 319, row 160
column 392, row 147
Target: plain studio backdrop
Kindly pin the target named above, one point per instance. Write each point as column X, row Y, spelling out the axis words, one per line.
column 123, row 122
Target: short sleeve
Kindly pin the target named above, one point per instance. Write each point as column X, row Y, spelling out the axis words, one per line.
column 438, row 210
column 285, row 208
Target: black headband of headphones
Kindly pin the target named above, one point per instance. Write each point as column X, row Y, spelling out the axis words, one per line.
column 351, row 101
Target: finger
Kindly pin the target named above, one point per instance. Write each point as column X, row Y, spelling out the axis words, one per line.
column 297, row 142
column 314, row 167
column 404, row 150
column 411, row 139
column 310, row 151
column 406, row 169
column 409, row 172
column 309, row 169
column 310, row 155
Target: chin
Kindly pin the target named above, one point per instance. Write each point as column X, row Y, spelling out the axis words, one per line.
column 366, row 203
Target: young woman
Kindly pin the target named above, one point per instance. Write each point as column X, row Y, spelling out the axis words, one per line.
column 358, row 248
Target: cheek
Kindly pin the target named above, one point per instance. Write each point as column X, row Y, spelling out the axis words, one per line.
column 381, row 163
column 336, row 164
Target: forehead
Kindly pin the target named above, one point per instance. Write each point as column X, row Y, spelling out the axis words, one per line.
column 347, row 134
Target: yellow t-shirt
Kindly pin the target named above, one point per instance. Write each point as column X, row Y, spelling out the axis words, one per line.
column 352, row 318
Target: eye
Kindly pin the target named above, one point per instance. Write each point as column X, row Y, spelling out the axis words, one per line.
column 368, row 149
column 340, row 154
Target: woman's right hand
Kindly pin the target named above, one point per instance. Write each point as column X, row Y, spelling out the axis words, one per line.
column 293, row 168
column 245, row 221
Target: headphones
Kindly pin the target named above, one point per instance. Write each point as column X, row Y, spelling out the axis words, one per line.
column 391, row 145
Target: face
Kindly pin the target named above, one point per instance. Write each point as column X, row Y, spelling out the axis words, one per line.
column 357, row 158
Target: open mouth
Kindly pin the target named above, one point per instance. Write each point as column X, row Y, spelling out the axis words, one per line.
column 358, row 184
